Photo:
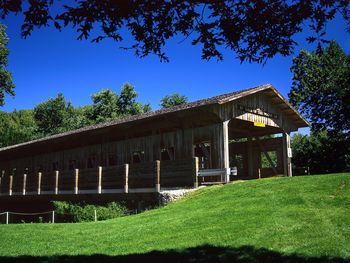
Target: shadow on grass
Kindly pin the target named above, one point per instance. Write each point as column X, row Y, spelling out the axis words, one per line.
column 204, row 253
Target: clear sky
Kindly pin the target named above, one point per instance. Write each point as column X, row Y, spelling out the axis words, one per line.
column 49, row 62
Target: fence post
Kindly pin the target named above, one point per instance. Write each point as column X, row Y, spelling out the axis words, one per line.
column 53, row 216
column 95, row 215
column 7, row 218
column 99, row 186
column 2, row 182
column 39, row 182
column 259, row 173
column 10, row 184
column 24, row 183
column 126, row 178
column 76, row 189
column 157, row 171
column 56, row 181
column 195, row 172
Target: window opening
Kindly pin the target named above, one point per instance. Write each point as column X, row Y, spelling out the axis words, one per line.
column 92, row 161
column 236, row 160
column 265, row 162
column 138, row 156
column 167, row 154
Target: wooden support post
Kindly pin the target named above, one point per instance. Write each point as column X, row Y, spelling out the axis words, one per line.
column 57, row 173
column 126, row 178
column 24, row 184
column 287, row 155
column 220, row 153
column 39, row 182
column 195, row 171
column 2, row 181
column 157, row 173
column 99, row 186
column 76, row 187
column 250, row 157
column 225, row 151
column 10, row 184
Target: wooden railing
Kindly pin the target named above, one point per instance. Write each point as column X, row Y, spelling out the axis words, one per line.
column 127, row 178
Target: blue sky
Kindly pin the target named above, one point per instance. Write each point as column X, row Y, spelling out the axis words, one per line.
column 49, row 62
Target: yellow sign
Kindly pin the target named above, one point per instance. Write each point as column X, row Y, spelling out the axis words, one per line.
column 259, row 124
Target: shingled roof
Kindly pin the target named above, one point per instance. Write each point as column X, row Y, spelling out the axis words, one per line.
column 220, row 99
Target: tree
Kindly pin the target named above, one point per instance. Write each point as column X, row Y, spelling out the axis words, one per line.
column 6, row 84
column 104, row 107
column 321, row 152
column 321, row 89
column 51, row 116
column 255, row 30
column 127, row 102
column 76, row 118
column 173, row 100
column 17, row 127
column 108, row 105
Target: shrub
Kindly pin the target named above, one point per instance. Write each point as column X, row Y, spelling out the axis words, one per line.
column 69, row 212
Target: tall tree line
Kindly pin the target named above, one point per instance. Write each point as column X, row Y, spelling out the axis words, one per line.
column 321, row 91
column 57, row 115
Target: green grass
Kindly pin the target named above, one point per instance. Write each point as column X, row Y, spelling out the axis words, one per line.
column 304, row 216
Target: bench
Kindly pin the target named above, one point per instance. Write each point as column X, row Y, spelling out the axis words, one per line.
column 223, row 173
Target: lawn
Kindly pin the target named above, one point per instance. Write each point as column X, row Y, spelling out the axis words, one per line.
column 294, row 219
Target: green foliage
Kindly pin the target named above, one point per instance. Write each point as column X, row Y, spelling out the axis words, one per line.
column 57, row 115
column 108, row 105
column 321, row 151
column 237, row 160
column 86, row 212
column 255, row 30
column 104, row 106
column 173, row 100
column 16, row 127
column 306, row 215
column 321, row 89
column 265, row 162
column 6, row 84
column 52, row 114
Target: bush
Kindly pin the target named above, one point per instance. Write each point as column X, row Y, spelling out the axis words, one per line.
column 322, row 152
column 69, row 212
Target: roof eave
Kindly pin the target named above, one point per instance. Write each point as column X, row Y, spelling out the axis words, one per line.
column 303, row 121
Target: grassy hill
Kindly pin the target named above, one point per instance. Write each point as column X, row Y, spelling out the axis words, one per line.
column 294, row 219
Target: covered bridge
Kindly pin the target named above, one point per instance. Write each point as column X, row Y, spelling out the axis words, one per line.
column 182, row 146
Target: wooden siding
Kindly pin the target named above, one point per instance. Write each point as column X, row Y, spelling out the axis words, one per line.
column 207, row 126
column 113, row 177
column 261, row 102
column 177, row 173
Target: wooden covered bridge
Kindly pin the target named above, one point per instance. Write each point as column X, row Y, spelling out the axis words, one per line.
column 177, row 147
